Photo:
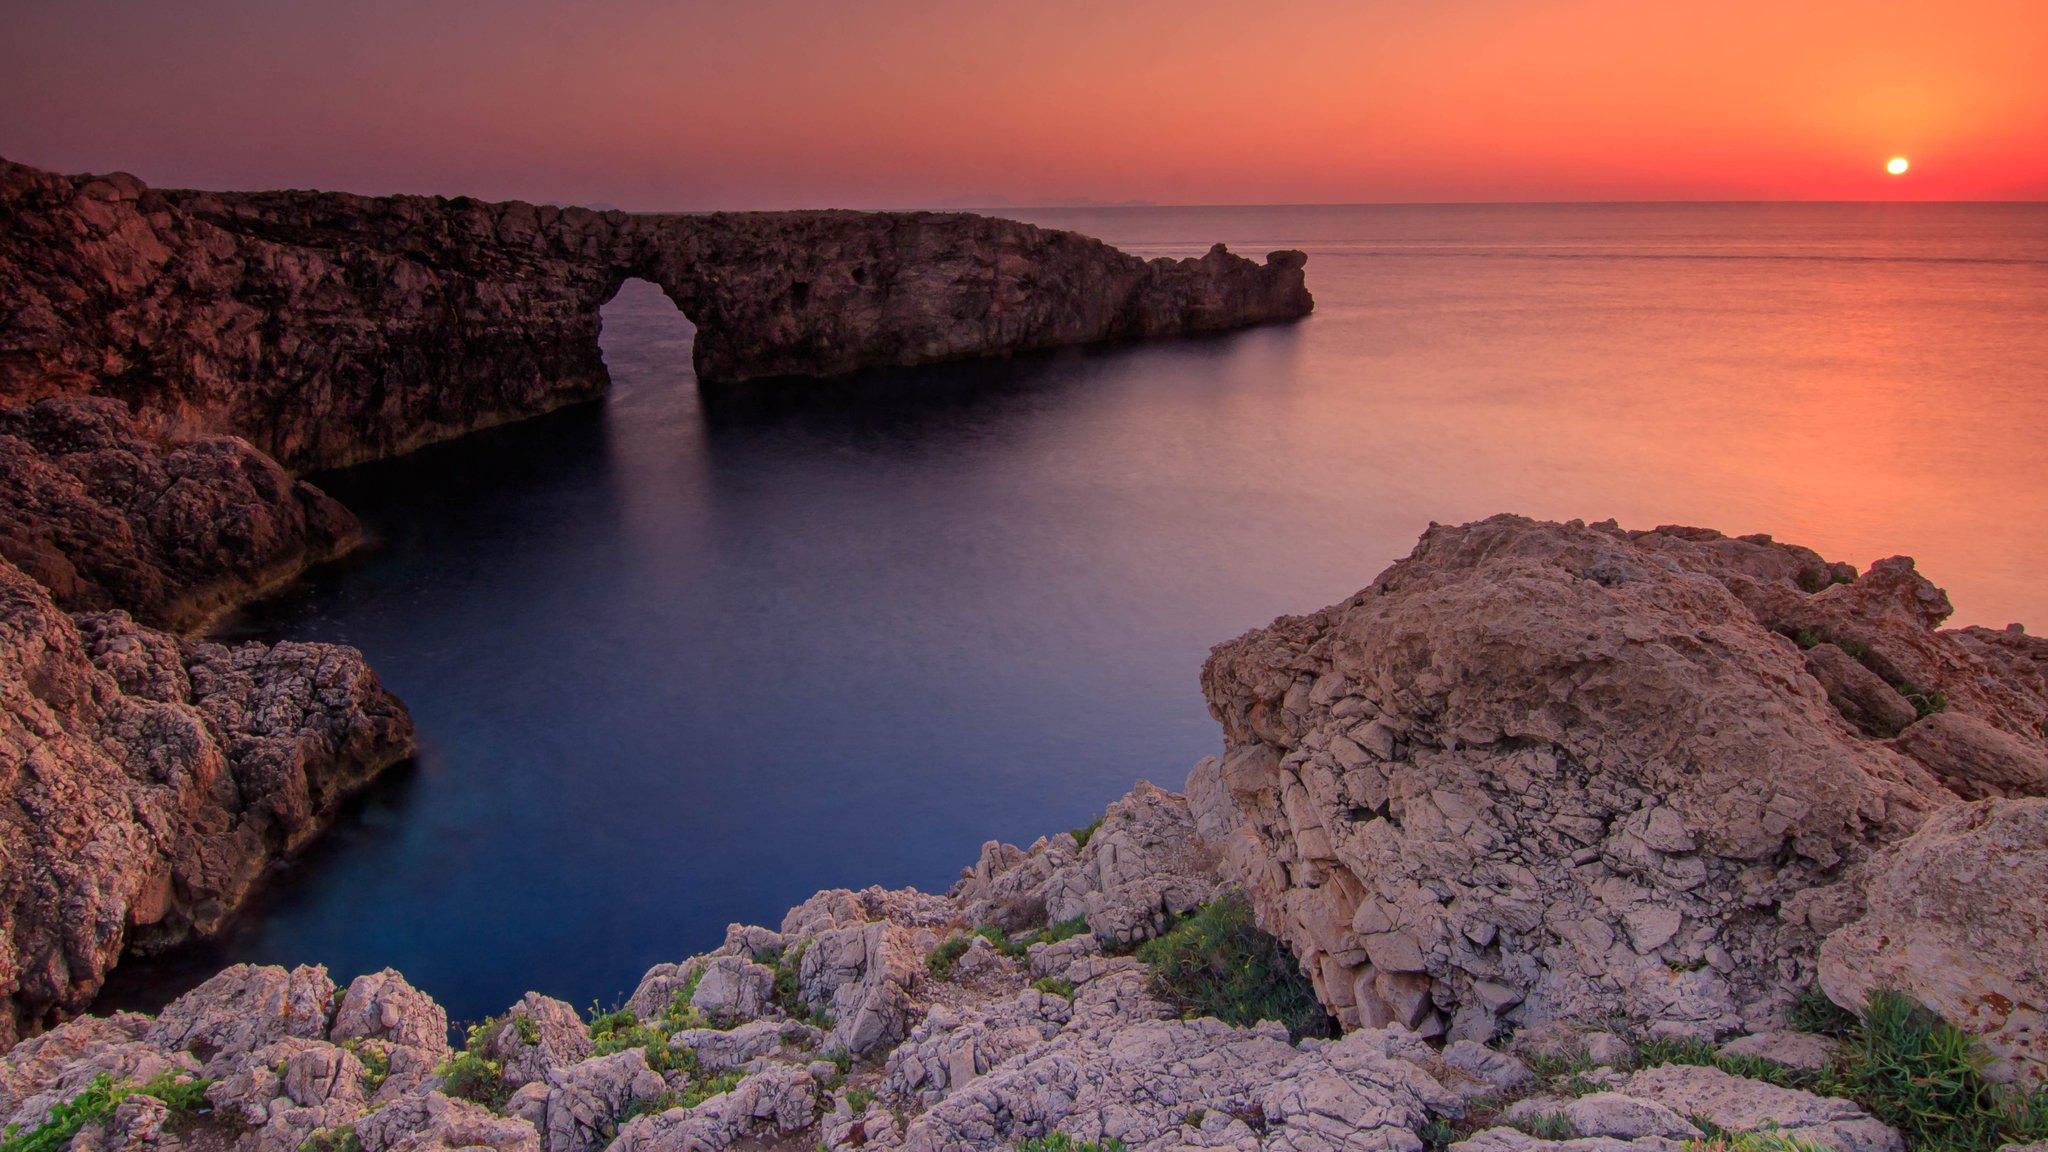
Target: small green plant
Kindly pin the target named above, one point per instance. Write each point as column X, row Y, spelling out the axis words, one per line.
column 701, row 1090
column 1194, row 1117
column 184, row 1095
column 1545, row 1126
column 1812, row 1011
column 1061, row 1142
column 840, row 1059
column 1925, row 1077
column 1054, row 986
column 1086, row 832
column 1438, row 1133
column 857, row 1100
column 1217, row 962
column 1064, row 930
column 1749, row 1142
column 617, row 1031
column 332, row 1140
column 376, row 1063
column 526, row 1028
column 947, row 954
column 471, row 1073
column 1806, row 638
column 1924, row 702
column 93, row 1104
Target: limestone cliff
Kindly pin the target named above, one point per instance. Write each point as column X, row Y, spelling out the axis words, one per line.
column 1539, row 772
column 107, row 511
column 146, row 781
column 328, row 328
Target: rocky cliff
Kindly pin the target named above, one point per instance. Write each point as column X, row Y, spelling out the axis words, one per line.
column 1549, row 772
column 327, row 328
column 107, row 510
column 146, row 781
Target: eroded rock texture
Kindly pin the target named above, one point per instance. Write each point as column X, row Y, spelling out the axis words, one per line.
column 836, row 1032
column 108, row 512
column 1540, row 771
column 327, row 328
column 145, row 782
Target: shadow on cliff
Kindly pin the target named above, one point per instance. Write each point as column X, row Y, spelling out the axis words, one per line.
column 365, row 822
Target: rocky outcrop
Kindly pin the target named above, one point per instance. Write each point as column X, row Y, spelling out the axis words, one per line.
column 146, row 782
column 326, row 328
column 1956, row 916
column 107, row 511
column 1541, row 772
column 1071, row 1039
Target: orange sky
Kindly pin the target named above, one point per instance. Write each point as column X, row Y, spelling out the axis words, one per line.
column 796, row 102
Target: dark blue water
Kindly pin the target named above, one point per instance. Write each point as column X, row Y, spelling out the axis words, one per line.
column 676, row 665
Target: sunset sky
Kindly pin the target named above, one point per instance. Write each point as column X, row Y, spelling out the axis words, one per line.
column 780, row 103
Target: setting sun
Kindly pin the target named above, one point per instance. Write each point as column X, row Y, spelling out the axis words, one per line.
column 1897, row 166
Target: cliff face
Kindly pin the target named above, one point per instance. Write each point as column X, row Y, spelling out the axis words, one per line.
column 108, row 512
column 327, row 328
column 146, row 781
column 1552, row 772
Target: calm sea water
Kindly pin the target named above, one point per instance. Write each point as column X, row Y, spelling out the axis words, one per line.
column 678, row 664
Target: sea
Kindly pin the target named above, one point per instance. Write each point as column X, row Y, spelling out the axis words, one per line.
column 678, row 662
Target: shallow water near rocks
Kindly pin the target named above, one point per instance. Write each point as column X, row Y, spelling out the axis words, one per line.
column 677, row 664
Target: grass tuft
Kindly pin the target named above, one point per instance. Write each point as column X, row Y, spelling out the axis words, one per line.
column 1061, row 1142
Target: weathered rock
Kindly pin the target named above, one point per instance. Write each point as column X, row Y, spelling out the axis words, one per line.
column 382, row 1006
column 244, row 1008
column 1544, row 772
column 1735, row 1104
column 584, row 1103
column 1801, row 1050
column 1144, row 865
column 1957, row 918
column 734, row 988
column 1975, row 760
column 559, row 1037
column 724, row 1049
column 432, row 1122
column 107, row 511
column 327, row 328
column 145, row 783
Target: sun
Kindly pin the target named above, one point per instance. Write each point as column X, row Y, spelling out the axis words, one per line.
column 1897, row 166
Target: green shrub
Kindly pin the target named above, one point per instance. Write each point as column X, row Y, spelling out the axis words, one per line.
column 183, row 1094
column 1924, row 702
column 376, row 1064
column 332, row 1140
column 1812, row 1011
column 471, row 1074
column 857, row 1100
column 1054, row 986
column 1545, row 1126
column 1061, row 1142
column 1218, row 963
column 1751, row 1142
column 527, row 1029
column 1925, row 1077
column 94, row 1103
column 1064, row 930
column 1910, row 1068
column 1086, row 832
column 948, row 953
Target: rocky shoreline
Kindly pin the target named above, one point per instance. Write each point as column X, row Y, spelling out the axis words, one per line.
column 168, row 360
column 1552, row 839
column 328, row 329
column 1574, row 829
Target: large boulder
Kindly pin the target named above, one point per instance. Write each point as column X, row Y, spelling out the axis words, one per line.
column 1956, row 916
column 1548, row 771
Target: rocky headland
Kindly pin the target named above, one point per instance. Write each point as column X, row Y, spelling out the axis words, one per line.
column 170, row 359
column 1555, row 838
column 327, row 329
